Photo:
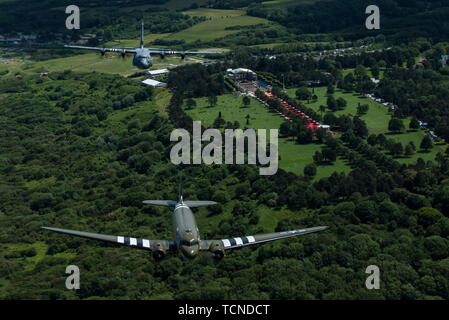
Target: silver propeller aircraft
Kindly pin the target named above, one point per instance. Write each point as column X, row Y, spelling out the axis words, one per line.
column 186, row 237
column 142, row 56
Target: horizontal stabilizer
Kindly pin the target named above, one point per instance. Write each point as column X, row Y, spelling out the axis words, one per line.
column 198, row 203
column 167, row 203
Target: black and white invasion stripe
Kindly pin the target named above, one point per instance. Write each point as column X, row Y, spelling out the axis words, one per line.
column 140, row 243
column 237, row 242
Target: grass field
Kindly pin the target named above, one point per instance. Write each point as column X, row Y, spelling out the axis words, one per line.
column 110, row 63
column 376, row 119
column 293, row 157
column 215, row 27
column 286, row 3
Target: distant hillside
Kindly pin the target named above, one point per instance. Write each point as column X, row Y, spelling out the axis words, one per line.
column 424, row 18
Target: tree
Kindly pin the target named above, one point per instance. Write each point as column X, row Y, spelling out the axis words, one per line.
column 414, row 124
column 330, row 89
column 375, row 71
column 329, row 154
column 362, row 109
column 303, row 94
column 305, row 136
column 360, row 72
column 341, row 103
column 246, row 101
column 285, row 128
column 212, row 100
column 409, row 150
column 396, row 149
column 395, row 125
column 310, row 170
column 331, row 103
column 372, row 139
column 320, row 134
column 360, row 128
column 426, row 143
column 322, row 109
column 318, row 157
column 219, row 122
column 190, row 103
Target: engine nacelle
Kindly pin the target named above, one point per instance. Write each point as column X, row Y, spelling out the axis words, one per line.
column 162, row 55
column 183, row 56
column 158, row 250
column 217, row 250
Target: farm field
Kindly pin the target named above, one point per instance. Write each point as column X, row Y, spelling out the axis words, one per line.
column 293, row 157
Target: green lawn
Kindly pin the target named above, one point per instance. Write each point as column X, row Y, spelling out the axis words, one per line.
column 376, row 119
column 293, row 157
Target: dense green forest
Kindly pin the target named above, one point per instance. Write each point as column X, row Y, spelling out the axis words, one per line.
column 82, row 151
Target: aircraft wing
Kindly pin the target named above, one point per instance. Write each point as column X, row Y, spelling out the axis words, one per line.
column 168, row 51
column 121, row 240
column 238, row 242
column 119, row 50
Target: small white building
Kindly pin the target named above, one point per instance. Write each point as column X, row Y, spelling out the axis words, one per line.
column 158, row 72
column 154, row 83
column 242, row 74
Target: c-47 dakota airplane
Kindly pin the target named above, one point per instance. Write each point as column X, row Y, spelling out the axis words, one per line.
column 142, row 56
column 186, row 236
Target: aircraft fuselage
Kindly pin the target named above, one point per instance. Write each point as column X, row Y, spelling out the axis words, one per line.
column 142, row 59
column 185, row 231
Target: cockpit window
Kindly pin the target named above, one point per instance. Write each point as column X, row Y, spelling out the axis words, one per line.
column 189, row 243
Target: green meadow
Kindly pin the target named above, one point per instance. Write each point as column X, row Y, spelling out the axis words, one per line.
column 376, row 119
column 293, row 157
column 215, row 27
column 110, row 63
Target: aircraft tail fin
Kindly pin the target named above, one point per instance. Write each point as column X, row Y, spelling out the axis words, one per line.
column 141, row 36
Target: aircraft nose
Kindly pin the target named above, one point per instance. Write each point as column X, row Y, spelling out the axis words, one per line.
column 189, row 252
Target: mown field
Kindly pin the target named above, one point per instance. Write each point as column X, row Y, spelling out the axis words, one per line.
column 376, row 119
column 292, row 156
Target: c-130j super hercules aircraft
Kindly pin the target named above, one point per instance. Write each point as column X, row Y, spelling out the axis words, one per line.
column 142, row 56
column 186, row 238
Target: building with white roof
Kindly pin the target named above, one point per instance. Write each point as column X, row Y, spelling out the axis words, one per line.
column 157, row 72
column 242, row 74
column 154, row 83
